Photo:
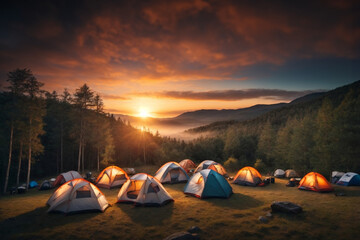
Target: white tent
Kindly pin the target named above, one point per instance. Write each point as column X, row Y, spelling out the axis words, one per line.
column 335, row 176
column 279, row 173
column 77, row 195
column 143, row 189
column 171, row 172
column 65, row 177
column 349, row 179
column 210, row 164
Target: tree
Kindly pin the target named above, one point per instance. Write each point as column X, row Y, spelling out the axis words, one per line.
column 83, row 99
column 35, row 111
column 17, row 80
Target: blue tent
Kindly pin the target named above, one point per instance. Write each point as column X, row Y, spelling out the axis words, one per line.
column 33, row 184
column 208, row 183
column 349, row 179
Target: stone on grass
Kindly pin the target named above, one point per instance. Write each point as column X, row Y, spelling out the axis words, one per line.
column 263, row 219
column 286, row 207
column 269, row 215
column 194, row 229
column 182, row 236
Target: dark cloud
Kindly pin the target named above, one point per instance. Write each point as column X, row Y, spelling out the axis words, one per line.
column 112, row 42
column 228, row 95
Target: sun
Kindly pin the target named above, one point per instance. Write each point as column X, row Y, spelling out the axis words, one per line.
column 144, row 113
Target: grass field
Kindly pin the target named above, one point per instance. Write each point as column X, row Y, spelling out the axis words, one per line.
column 325, row 216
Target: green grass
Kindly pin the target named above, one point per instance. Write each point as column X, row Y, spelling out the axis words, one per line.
column 325, row 216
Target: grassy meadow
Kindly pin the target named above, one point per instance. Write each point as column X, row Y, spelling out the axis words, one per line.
column 325, row 216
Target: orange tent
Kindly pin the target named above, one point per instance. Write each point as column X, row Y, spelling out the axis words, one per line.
column 187, row 164
column 110, row 177
column 248, row 176
column 314, row 181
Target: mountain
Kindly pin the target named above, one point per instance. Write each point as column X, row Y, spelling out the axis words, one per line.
column 189, row 120
column 298, row 107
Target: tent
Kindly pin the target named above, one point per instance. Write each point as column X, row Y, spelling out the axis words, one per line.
column 279, row 173
column 335, row 176
column 291, row 173
column 77, row 195
column 248, row 176
column 143, row 189
column 208, row 183
column 349, row 179
column 171, row 172
column 314, row 181
column 210, row 164
column 33, row 184
column 187, row 165
column 65, row 177
column 45, row 185
column 110, row 177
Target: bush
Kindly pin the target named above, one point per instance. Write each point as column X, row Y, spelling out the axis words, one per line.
column 232, row 164
column 259, row 165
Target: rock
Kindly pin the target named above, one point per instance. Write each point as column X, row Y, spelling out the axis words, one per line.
column 269, row 215
column 182, row 236
column 194, row 229
column 263, row 219
column 286, row 207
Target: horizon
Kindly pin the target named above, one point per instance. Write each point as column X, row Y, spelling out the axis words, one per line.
column 160, row 59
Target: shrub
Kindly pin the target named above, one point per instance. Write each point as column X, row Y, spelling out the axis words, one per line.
column 232, row 164
column 259, row 165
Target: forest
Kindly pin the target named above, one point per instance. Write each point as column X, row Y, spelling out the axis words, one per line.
column 44, row 133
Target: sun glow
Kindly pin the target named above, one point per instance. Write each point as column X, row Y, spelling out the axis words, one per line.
column 144, row 113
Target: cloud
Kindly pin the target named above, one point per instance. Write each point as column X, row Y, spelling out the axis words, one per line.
column 111, row 43
column 114, row 97
column 228, row 95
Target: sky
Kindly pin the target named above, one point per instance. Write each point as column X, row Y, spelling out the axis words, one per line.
column 163, row 58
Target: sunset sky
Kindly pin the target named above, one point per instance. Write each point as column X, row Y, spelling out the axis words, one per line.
column 167, row 57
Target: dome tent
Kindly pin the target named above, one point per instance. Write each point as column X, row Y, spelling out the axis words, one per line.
column 349, row 179
column 335, row 176
column 143, row 189
column 279, row 173
column 208, row 183
column 314, row 181
column 290, row 173
column 110, row 177
column 171, row 172
column 65, row 177
column 187, row 165
column 77, row 195
column 248, row 176
column 210, row 164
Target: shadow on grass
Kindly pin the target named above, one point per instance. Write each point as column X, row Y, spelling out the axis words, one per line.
column 39, row 219
column 236, row 201
column 148, row 216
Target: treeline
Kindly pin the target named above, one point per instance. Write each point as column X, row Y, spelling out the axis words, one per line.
column 320, row 135
column 44, row 133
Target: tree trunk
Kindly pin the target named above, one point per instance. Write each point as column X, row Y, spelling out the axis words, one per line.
column 82, row 157
column 61, row 147
column 98, row 159
column 29, row 157
column 19, row 167
column 10, row 152
column 80, row 146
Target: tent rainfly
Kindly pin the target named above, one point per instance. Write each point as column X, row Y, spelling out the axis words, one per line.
column 248, row 176
column 143, row 189
column 208, row 184
column 349, row 179
column 316, row 182
column 111, row 177
column 77, row 195
column 65, row 177
column 171, row 172
column 187, row 165
column 210, row 164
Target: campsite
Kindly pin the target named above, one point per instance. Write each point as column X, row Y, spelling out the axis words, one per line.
column 25, row 216
column 179, row 120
